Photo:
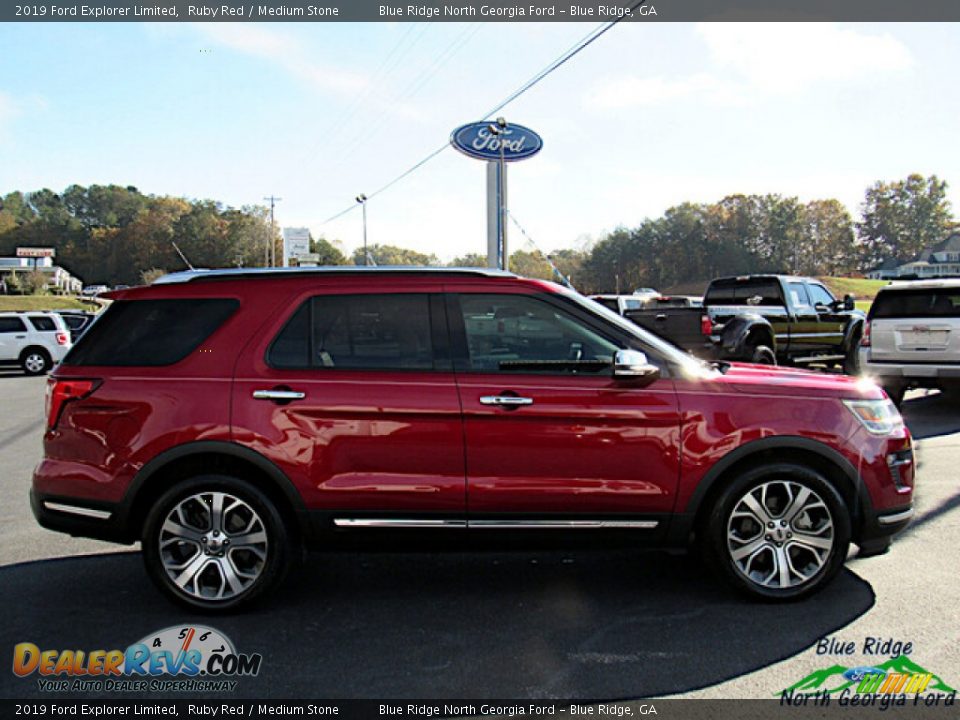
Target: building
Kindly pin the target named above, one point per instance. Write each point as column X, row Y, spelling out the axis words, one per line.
column 940, row 260
column 58, row 279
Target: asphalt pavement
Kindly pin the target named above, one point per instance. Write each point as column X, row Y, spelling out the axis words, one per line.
column 591, row 625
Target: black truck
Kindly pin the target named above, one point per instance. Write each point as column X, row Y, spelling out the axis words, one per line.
column 763, row 319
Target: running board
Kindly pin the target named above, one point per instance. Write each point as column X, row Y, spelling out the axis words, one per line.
column 497, row 524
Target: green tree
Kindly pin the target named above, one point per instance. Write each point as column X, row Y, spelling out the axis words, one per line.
column 392, row 255
column 469, row 260
column 532, row 264
column 329, row 253
column 899, row 219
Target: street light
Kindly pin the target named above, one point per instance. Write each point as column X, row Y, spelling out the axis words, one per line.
column 362, row 199
column 498, row 129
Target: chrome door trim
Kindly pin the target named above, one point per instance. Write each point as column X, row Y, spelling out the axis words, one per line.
column 562, row 524
column 496, row 524
column 397, row 523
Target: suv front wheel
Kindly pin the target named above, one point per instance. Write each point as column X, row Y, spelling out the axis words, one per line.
column 215, row 542
column 779, row 532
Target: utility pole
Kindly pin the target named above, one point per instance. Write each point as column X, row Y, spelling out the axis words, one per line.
column 362, row 199
column 270, row 257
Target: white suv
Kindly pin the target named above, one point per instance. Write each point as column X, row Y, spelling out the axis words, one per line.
column 35, row 341
column 912, row 337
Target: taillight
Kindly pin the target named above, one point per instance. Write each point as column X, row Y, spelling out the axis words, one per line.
column 865, row 340
column 60, row 392
column 62, row 338
column 706, row 325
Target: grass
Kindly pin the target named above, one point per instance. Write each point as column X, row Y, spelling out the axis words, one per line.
column 860, row 288
column 44, row 302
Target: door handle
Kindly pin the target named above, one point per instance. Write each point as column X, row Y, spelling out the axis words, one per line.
column 505, row 400
column 277, row 394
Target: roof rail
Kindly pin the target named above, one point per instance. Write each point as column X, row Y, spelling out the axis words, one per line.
column 252, row 273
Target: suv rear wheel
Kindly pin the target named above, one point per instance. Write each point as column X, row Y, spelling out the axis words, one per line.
column 35, row 361
column 215, row 542
column 778, row 532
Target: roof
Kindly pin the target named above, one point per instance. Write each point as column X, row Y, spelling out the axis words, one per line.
column 254, row 273
column 922, row 284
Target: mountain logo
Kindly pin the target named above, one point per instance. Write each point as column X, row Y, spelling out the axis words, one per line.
column 897, row 675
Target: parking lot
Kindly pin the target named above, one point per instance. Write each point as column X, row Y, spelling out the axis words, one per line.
column 592, row 625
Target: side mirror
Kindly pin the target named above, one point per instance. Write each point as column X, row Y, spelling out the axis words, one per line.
column 634, row 364
column 849, row 302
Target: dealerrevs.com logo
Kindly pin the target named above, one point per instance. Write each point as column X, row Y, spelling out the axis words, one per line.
column 179, row 658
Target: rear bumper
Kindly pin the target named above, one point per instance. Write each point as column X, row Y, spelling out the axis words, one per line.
column 79, row 518
column 919, row 373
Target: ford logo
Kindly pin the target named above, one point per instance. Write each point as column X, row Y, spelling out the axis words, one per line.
column 516, row 142
column 857, row 674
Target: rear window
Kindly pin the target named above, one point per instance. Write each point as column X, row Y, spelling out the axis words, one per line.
column 744, row 292
column 43, row 324
column 150, row 333
column 928, row 303
column 11, row 324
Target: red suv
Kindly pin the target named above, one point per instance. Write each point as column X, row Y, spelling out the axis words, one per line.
column 228, row 418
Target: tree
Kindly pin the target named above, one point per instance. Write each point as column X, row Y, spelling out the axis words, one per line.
column 469, row 260
column 832, row 245
column 392, row 255
column 329, row 253
column 531, row 264
column 899, row 219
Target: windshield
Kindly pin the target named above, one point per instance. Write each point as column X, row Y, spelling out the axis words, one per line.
column 669, row 351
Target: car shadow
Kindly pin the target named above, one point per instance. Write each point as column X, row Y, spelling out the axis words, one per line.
column 931, row 415
column 585, row 625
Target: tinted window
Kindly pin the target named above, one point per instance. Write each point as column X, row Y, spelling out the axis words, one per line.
column 43, row 324
column 519, row 333
column 744, row 292
column 357, row 332
column 917, row 304
column 150, row 332
column 819, row 295
column 74, row 322
column 609, row 303
column 11, row 324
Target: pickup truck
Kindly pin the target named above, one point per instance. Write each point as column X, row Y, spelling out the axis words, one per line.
column 766, row 319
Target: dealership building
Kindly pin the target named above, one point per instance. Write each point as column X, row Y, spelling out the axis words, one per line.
column 58, row 279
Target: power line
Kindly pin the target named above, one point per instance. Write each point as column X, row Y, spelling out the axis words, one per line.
column 571, row 52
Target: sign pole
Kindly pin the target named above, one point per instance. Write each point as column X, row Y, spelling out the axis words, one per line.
column 493, row 215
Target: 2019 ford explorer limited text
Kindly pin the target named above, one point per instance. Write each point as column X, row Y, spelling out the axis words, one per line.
column 227, row 418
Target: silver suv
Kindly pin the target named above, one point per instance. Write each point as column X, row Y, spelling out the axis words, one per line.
column 912, row 337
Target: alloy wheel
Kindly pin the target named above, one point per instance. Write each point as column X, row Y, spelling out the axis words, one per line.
column 35, row 363
column 780, row 534
column 213, row 546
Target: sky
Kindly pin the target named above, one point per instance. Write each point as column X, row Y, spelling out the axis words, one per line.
column 648, row 116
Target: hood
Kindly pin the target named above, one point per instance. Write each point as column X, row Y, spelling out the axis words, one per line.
column 771, row 379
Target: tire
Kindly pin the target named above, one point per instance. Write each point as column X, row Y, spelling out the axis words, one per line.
column 738, row 525
column 851, row 363
column 194, row 564
column 35, row 361
column 761, row 355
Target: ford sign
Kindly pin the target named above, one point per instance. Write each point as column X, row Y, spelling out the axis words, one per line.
column 515, row 142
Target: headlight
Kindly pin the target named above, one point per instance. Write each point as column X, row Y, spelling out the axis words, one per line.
column 879, row 417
